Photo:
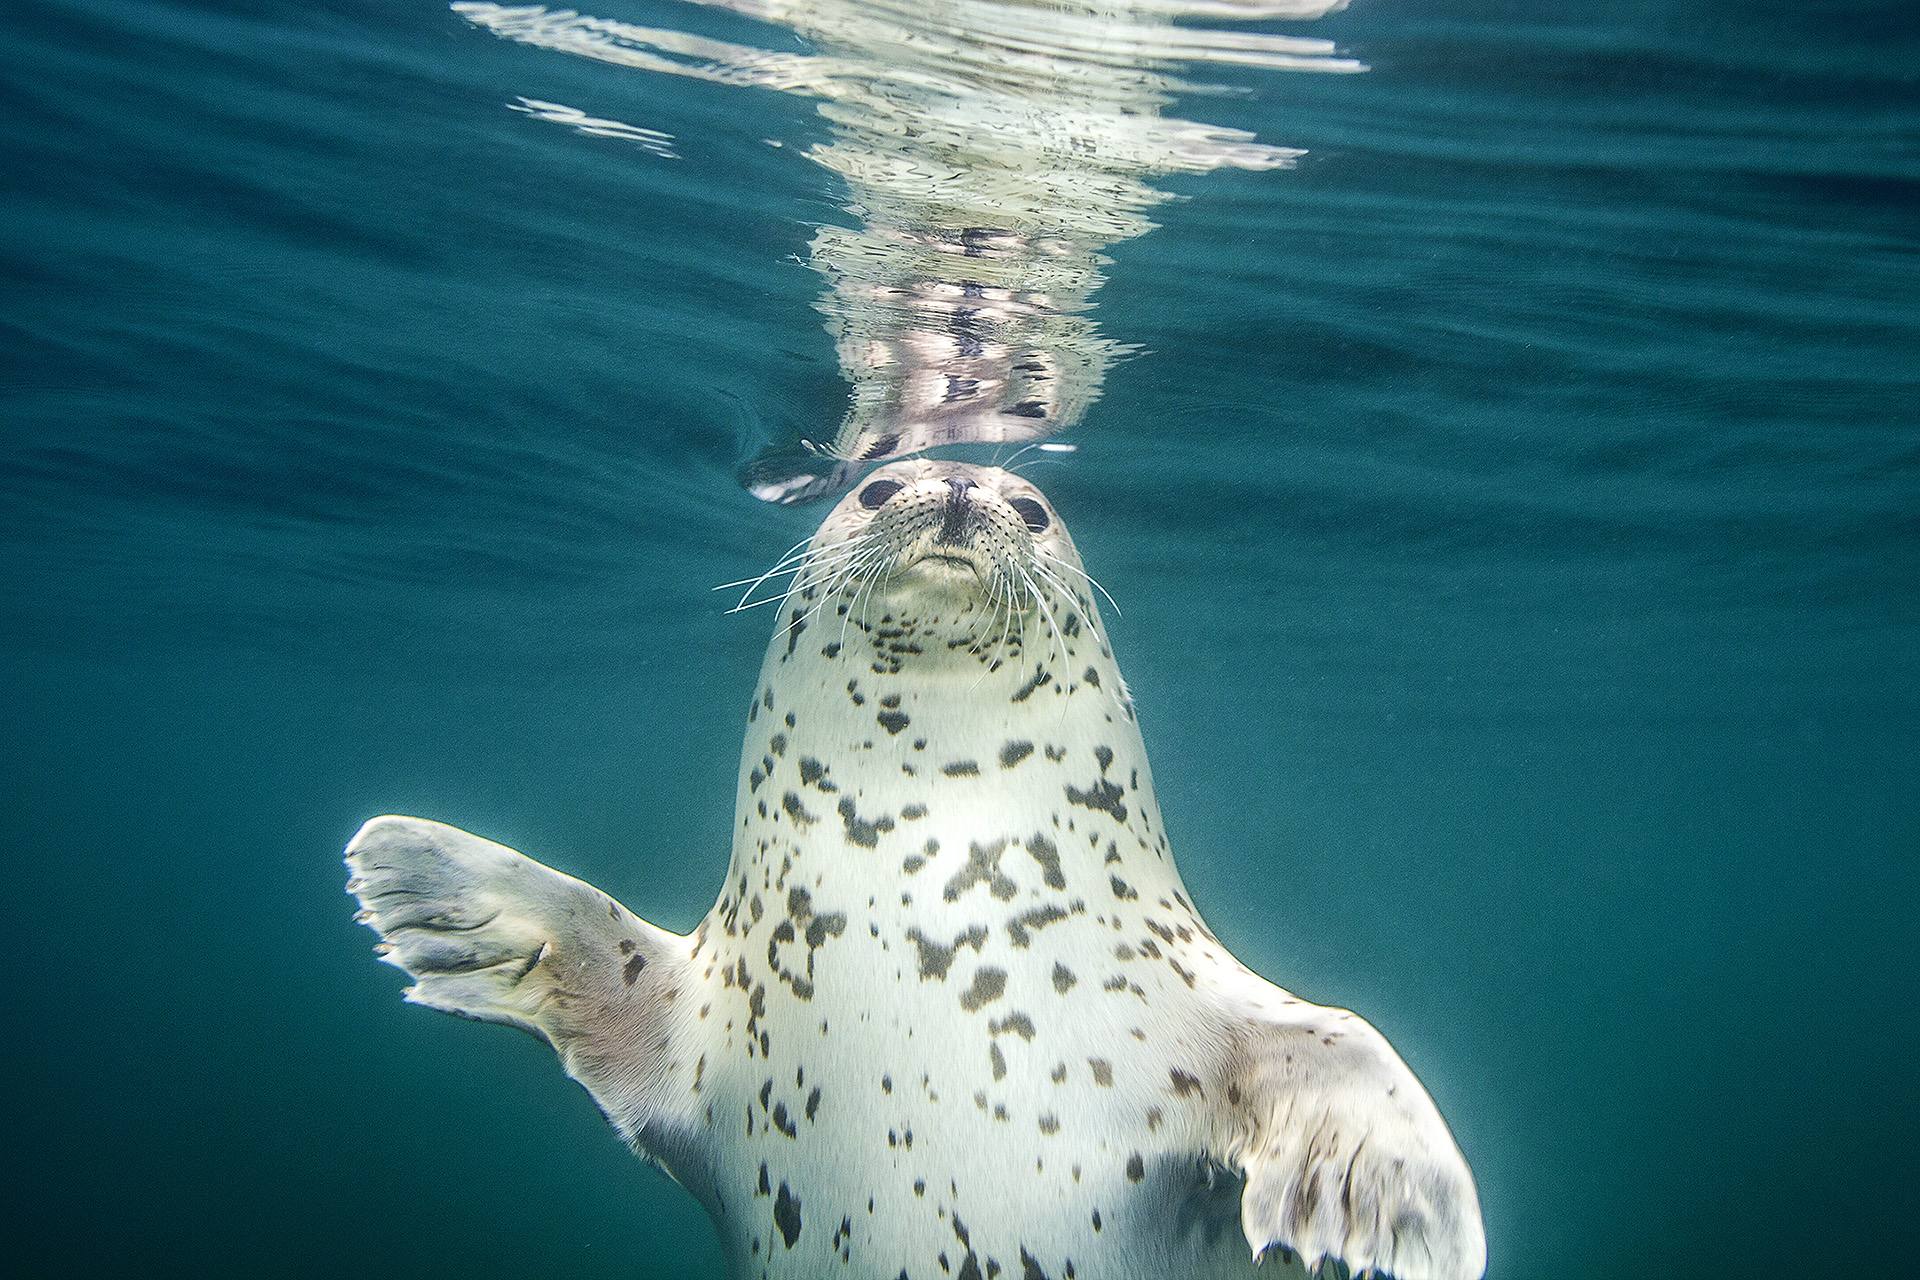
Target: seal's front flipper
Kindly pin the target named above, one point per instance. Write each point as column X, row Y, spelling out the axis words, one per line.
column 487, row 933
column 1344, row 1153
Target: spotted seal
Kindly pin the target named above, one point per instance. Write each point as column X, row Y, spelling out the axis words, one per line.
column 954, row 1014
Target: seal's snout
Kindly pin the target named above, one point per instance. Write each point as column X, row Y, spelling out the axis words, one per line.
column 956, row 517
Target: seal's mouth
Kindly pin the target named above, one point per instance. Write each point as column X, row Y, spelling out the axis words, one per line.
column 948, row 561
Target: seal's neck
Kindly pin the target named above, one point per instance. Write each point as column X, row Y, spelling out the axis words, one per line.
column 870, row 737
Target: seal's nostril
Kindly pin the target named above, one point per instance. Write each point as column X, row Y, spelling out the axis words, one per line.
column 959, row 485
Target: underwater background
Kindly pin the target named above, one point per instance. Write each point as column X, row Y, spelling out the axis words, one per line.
column 1515, row 510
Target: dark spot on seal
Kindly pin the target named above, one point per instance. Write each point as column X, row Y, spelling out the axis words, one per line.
column 1018, row 1023
column 766, row 1188
column 1184, row 1084
column 780, row 1121
column 893, row 721
column 983, row 864
column 998, row 1061
column 961, row 769
column 779, row 744
column 631, row 970
column 1136, row 1168
column 1049, row 1124
column 1035, row 919
column 1025, row 691
column 1030, row 1270
column 989, row 984
column 1063, row 978
column 811, row 773
column 935, row 959
column 1102, row 1072
column 1101, row 795
column 797, row 811
column 859, row 830
column 822, row 927
column 1071, row 627
column 813, row 1102
column 1123, row 891
column 1013, row 753
column 1103, row 754
column 1047, row 854
column 786, row 1215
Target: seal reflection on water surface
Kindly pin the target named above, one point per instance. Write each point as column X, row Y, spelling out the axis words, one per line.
column 953, row 1014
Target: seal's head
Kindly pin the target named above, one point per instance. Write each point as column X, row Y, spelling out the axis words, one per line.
column 970, row 561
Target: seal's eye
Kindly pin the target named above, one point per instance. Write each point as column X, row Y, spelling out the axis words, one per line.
column 1030, row 511
column 878, row 492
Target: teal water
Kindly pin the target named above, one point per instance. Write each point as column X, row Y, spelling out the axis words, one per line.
column 1515, row 509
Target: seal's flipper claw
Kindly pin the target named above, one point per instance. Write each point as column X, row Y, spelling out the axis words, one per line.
column 490, row 934
column 1344, row 1153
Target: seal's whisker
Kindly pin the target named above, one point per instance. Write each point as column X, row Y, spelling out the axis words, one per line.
column 845, row 564
column 788, row 555
column 793, row 561
column 1059, row 584
column 879, row 573
column 1056, row 641
column 872, row 568
column 1002, row 598
column 845, row 572
column 1018, row 454
column 746, row 600
column 1065, row 564
column 1006, row 628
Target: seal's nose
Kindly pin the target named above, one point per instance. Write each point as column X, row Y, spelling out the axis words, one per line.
column 953, row 523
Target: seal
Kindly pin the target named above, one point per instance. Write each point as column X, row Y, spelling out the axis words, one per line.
column 954, row 1013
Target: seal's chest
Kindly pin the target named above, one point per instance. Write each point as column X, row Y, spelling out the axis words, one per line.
column 938, row 1019
column 986, row 1109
